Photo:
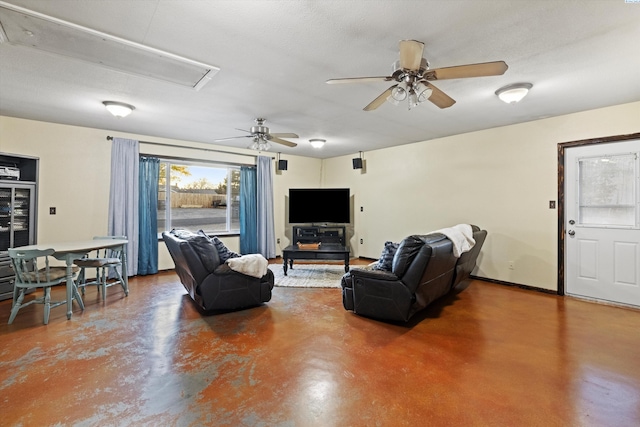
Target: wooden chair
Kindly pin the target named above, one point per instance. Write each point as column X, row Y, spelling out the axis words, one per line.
column 107, row 262
column 28, row 275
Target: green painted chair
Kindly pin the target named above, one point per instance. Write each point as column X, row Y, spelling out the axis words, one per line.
column 108, row 265
column 32, row 271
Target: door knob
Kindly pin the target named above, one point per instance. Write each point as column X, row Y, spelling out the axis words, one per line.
column 571, row 232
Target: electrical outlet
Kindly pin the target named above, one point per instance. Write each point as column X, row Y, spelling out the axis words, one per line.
column 278, row 240
column 52, row 211
column 511, row 265
column 361, row 241
column 361, row 208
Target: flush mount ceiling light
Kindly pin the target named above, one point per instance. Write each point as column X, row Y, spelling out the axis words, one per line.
column 513, row 93
column 118, row 109
column 317, row 143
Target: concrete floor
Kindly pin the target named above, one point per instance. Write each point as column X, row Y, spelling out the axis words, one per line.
column 488, row 356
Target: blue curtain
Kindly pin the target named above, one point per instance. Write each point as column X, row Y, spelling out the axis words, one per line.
column 123, row 197
column 148, row 216
column 266, row 228
column 248, row 211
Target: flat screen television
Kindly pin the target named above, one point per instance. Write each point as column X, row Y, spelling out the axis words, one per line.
column 319, row 205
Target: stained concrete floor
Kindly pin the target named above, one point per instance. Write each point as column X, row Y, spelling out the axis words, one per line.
column 488, row 356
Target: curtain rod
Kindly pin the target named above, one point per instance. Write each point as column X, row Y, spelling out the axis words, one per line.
column 211, row 150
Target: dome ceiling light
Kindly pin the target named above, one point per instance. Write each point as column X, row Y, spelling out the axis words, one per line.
column 513, row 93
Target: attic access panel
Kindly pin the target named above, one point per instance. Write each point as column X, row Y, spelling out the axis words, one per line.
column 23, row 27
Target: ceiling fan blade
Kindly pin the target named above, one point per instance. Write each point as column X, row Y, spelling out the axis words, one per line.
column 411, row 54
column 243, row 130
column 360, row 80
column 233, row 137
column 379, row 100
column 282, row 141
column 439, row 98
column 495, row 68
column 284, row 135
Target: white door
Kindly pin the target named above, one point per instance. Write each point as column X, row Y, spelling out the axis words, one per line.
column 602, row 205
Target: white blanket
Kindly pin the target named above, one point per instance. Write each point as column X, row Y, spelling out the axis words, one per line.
column 254, row 265
column 461, row 236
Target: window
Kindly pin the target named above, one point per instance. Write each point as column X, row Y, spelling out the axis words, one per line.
column 607, row 193
column 195, row 196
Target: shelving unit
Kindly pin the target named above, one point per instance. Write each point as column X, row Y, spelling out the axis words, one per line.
column 319, row 234
column 17, row 213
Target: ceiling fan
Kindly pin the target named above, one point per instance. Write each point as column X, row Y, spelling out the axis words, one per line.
column 262, row 137
column 413, row 76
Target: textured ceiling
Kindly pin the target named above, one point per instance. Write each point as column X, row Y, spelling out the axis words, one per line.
column 275, row 56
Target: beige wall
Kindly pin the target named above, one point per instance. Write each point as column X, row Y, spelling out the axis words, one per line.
column 74, row 176
column 501, row 179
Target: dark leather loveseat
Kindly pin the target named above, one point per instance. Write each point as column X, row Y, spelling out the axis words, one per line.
column 424, row 268
column 211, row 284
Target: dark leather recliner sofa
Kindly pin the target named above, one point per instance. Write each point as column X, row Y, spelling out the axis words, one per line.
column 423, row 270
column 214, row 285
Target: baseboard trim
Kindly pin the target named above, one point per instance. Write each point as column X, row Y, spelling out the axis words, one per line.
column 515, row 285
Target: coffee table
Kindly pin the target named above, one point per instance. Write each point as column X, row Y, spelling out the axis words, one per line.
column 326, row 251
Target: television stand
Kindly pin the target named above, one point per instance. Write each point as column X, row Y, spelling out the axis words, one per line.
column 319, row 234
column 332, row 245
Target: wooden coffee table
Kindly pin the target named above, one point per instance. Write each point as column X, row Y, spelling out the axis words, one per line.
column 326, row 251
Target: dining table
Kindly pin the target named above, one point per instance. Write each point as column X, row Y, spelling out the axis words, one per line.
column 73, row 250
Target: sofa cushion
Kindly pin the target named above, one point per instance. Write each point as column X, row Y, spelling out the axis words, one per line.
column 386, row 258
column 203, row 246
column 406, row 253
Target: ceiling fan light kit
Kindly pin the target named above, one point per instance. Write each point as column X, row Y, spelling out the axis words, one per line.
column 513, row 93
column 423, row 92
column 399, row 93
column 413, row 76
column 118, row 109
column 413, row 99
column 417, row 94
column 259, row 144
column 262, row 137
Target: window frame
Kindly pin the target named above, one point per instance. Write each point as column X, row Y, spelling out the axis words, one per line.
column 230, row 167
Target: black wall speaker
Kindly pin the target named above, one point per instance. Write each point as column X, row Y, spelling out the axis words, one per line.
column 282, row 165
column 357, row 163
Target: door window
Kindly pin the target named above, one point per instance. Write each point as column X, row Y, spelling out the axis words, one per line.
column 606, row 190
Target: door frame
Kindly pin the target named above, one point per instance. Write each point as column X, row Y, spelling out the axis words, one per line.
column 561, row 209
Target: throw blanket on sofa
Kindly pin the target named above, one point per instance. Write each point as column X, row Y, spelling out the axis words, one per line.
column 254, row 265
column 461, row 236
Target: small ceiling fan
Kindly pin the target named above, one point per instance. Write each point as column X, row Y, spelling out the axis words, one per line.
column 413, row 77
column 262, row 137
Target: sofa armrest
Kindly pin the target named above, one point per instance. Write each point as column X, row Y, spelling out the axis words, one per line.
column 379, row 294
column 223, row 269
column 372, row 274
